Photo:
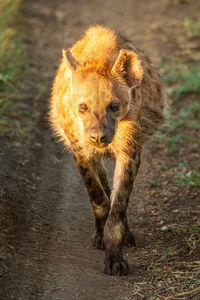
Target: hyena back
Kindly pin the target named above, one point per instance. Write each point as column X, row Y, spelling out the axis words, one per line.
column 107, row 100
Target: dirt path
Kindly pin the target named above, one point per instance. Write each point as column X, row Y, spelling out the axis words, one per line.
column 48, row 252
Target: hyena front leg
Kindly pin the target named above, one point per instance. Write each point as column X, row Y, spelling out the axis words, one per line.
column 129, row 239
column 116, row 225
column 95, row 180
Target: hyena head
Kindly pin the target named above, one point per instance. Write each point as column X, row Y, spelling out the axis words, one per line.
column 101, row 99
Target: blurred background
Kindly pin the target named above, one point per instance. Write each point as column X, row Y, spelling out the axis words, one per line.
column 166, row 204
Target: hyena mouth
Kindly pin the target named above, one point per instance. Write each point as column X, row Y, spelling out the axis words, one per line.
column 101, row 145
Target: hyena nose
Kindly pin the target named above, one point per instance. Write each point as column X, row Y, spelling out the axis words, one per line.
column 98, row 137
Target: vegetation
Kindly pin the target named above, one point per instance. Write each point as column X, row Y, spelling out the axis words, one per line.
column 165, row 213
column 182, row 75
column 11, row 48
column 182, row 132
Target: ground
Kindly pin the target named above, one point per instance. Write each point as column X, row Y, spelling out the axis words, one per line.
column 46, row 221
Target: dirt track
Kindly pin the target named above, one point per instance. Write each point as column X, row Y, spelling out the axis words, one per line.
column 49, row 251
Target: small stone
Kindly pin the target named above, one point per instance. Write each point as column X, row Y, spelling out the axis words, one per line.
column 164, row 228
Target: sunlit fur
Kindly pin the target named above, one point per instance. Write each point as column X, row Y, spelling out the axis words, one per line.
column 100, row 70
column 98, row 53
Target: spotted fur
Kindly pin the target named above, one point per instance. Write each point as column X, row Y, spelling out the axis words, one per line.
column 101, row 71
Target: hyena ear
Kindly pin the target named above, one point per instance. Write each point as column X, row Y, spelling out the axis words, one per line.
column 127, row 68
column 70, row 59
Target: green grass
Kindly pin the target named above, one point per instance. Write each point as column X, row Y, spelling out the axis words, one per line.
column 10, row 40
column 179, row 126
column 190, row 178
column 182, row 132
column 41, row 91
column 192, row 27
column 182, row 72
column 187, row 118
column 153, row 184
column 188, row 228
column 182, row 77
column 11, row 50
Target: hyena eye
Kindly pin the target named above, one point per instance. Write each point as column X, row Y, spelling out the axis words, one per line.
column 83, row 107
column 114, row 107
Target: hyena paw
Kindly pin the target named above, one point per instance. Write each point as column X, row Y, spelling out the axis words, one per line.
column 98, row 241
column 129, row 239
column 115, row 266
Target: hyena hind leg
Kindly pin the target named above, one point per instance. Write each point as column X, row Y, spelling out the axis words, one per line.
column 100, row 202
column 98, row 237
column 129, row 239
column 103, row 178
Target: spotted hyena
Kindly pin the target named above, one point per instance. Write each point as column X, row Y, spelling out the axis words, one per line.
column 107, row 100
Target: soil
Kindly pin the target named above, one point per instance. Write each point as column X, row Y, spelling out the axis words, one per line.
column 46, row 224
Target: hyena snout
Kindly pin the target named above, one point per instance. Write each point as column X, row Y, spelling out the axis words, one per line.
column 99, row 137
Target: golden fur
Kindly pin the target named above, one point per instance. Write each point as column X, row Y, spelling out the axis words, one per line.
column 107, row 99
column 99, row 52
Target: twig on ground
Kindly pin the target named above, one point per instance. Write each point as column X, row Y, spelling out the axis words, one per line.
column 188, row 293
